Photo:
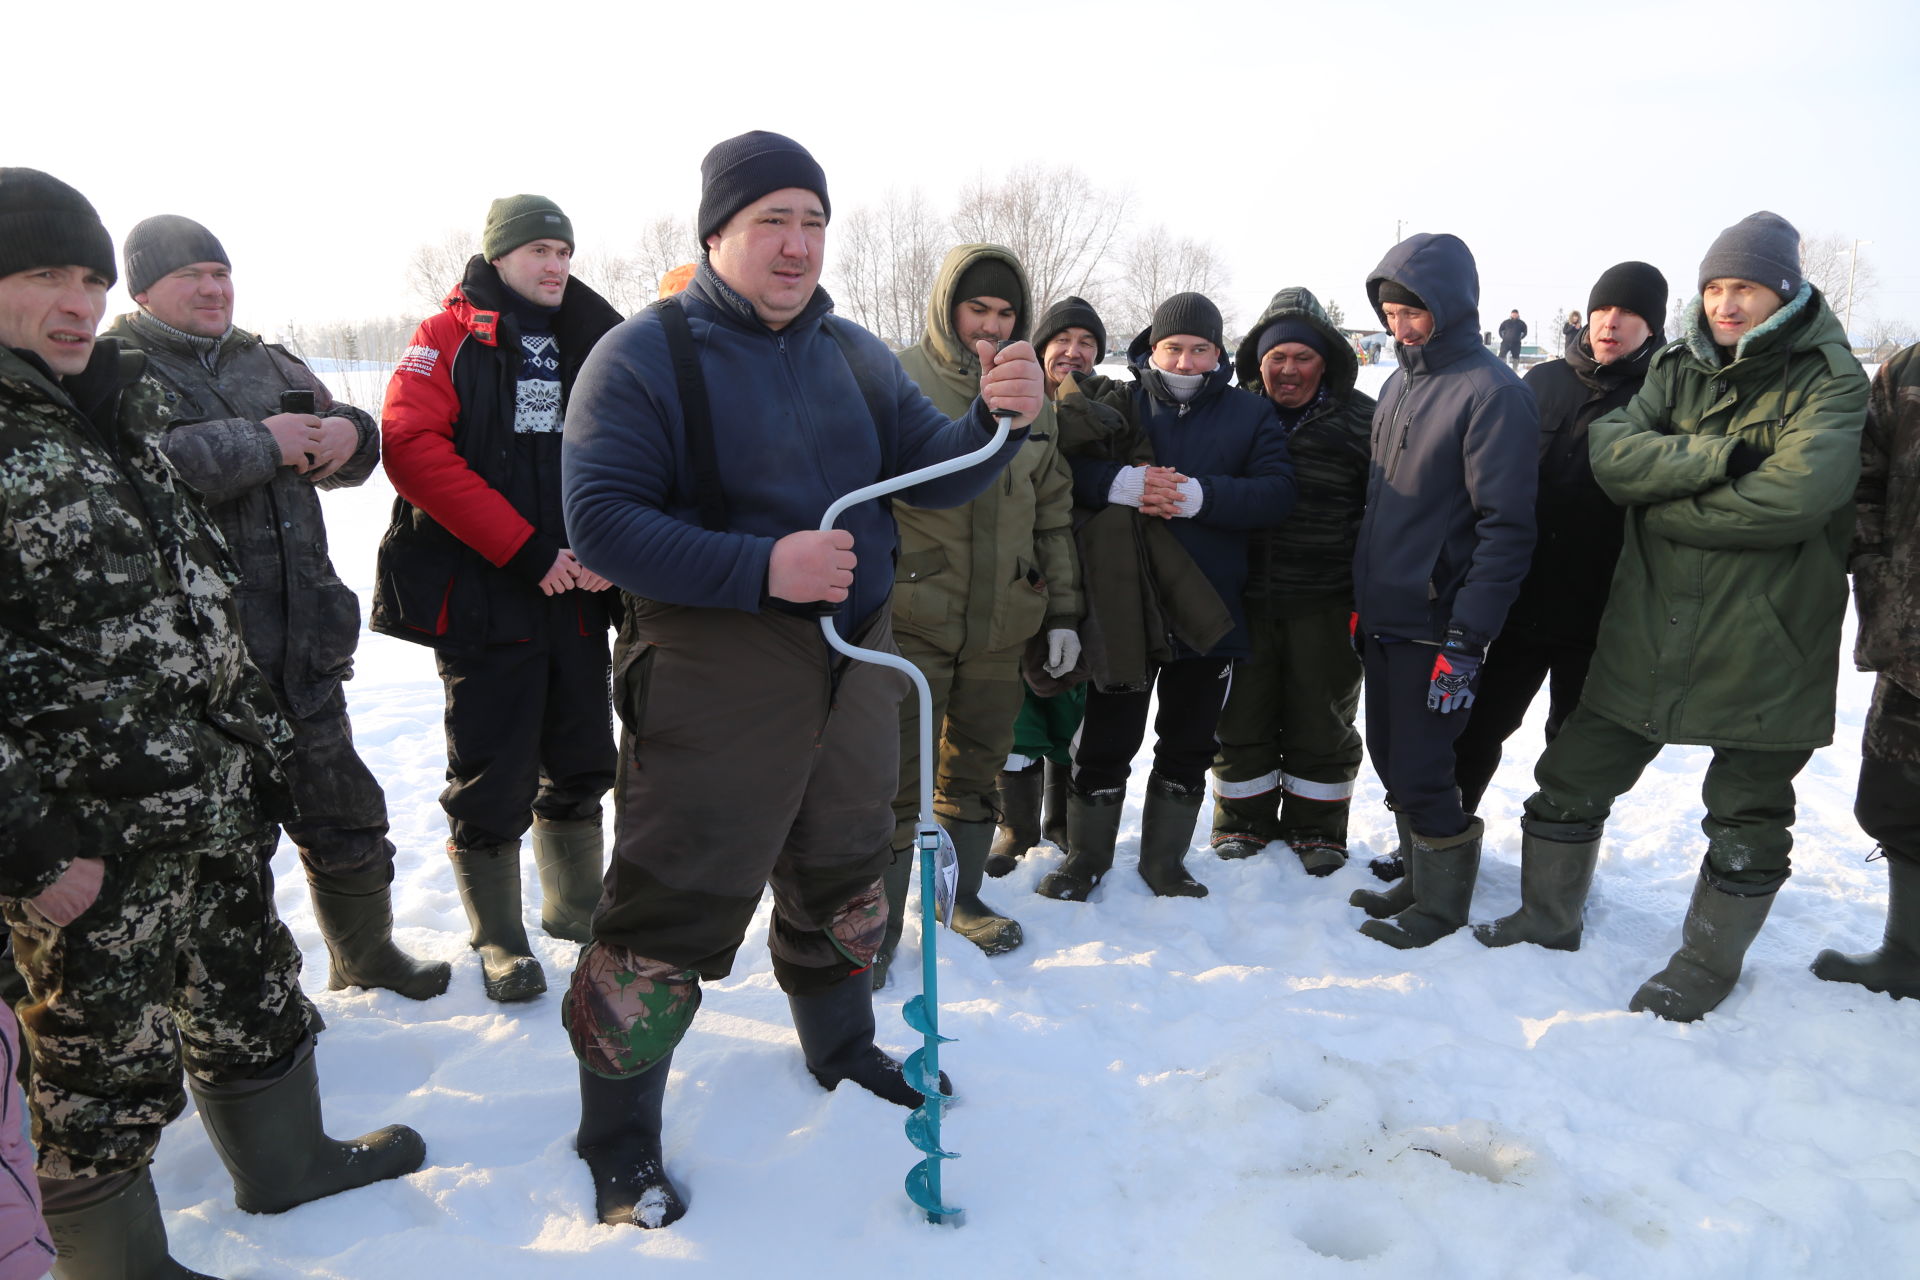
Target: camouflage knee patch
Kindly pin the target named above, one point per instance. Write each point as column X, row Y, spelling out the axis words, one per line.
column 856, row 929
column 624, row 1012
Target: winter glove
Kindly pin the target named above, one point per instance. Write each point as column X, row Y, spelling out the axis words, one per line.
column 1129, row 484
column 1454, row 671
column 1191, row 496
column 1353, row 635
column 1744, row 460
column 1063, row 650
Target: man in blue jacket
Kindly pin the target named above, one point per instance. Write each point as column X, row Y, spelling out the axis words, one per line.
column 1444, row 545
column 751, row 752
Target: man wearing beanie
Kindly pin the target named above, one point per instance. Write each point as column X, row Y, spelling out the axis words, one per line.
column 1071, row 339
column 1289, row 751
column 705, row 442
column 1550, row 629
column 139, row 781
column 1736, row 462
column 478, row 565
column 1180, row 447
column 260, row 471
column 1442, row 549
column 973, row 585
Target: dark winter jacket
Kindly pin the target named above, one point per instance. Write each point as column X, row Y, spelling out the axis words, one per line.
column 1308, row 560
column 1723, row 628
column 1227, row 440
column 1886, row 538
column 123, row 678
column 301, row 622
column 1513, row 331
column 1579, row 527
column 1448, row 530
column 792, row 432
column 478, row 522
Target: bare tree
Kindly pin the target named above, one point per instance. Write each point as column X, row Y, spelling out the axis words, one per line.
column 1559, row 332
column 1827, row 261
column 436, row 267
column 1060, row 225
column 1155, row 266
column 1679, row 314
column 1885, row 337
column 354, row 357
column 883, row 259
column 629, row 281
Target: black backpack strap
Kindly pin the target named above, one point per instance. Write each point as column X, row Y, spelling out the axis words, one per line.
column 695, row 413
column 873, row 387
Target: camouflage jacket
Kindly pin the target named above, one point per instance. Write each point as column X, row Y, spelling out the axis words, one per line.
column 1885, row 557
column 120, row 655
column 300, row 621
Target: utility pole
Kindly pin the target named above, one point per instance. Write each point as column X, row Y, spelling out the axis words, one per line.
column 1398, row 223
column 1853, row 269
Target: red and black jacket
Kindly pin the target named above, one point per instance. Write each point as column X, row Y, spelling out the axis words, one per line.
column 477, row 522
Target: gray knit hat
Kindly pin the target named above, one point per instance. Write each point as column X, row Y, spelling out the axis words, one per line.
column 46, row 223
column 1762, row 247
column 1192, row 314
column 167, row 242
column 516, row 220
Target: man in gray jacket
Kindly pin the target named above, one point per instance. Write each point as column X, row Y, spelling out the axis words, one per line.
column 260, row 471
column 1443, row 547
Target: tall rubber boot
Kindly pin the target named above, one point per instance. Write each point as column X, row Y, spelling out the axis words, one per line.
column 1166, row 833
column 488, row 877
column 1053, row 821
column 110, row 1228
column 1443, row 869
column 355, row 914
column 619, row 1138
column 1556, row 871
column 1019, row 818
column 973, row 919
column 570, row 857
column 267, row 1132
column 835, row 1027
column 1093, row 824
column 1893, row 969
column 1719, row 928
column 895, row 879
column 1390, row 902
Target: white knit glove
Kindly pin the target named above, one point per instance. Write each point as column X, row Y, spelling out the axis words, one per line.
column 1128, row 486
column 1063, row 650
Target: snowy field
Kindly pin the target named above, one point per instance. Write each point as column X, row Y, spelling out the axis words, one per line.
column 1237, row 1086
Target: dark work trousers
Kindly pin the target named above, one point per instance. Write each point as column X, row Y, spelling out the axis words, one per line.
column 1191, row 690
column 529, row 729
column 975, row 700
column 751, row 755
column 1888, row 803
column 1412, row 747
column 341, row 827
column 1748, row 793
column 1511, row 676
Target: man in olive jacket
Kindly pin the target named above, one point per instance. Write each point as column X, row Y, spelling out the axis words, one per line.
column 972, row 586
column 261, row 471
column 1737, row 463
column 1288, row 747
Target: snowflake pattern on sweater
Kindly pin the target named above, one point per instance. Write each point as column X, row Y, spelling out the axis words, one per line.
column 536, row 405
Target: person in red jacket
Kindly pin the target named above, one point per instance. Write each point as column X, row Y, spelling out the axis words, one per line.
column 476, row 564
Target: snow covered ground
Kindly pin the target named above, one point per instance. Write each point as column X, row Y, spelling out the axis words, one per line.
column 1237, row 1086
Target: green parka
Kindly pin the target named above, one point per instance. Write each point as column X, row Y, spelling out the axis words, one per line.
column 986, row 576
column 1723, row 627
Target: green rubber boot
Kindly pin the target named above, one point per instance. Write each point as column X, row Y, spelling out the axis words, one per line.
column 1556, row 871
column 1443, row 870
column 355, row 915
column 1393, row 901
column 571, row 859
column 973, row 919
column 109, row 1229
column 1019, row 818
column 1166, row 833
column 488, row 877
column 1719, row 927
column 1893, row 969
column 1093, row 824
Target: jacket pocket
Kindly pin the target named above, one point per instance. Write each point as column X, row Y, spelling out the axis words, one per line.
column 336, row 632
column 922, row 596
column 1770, row 626
column 415, row 584
column 632, row 682
column 1020, row 611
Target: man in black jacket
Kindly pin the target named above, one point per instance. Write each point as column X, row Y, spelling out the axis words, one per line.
column 1443, row 547
column 1513, row 331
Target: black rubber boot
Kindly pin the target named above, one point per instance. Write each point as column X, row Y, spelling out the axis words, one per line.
column 1093, row 824
column 1019, row 818
column 836, row 1035
column 1235, row 845
column 1719, row 928
column 1166, row 833
column 355, row 914
column 110, row 1229
column 267, row 1132
column 619, row 1138
column 973, row 919
column 1893, row 969
column 1442, row 869
column 570, row 858
column 1390, row 902
column 1556, row 870
column 1053, row 820
column 488, row 877
column 895, row 878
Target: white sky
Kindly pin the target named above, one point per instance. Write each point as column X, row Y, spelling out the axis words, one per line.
column 322, row 143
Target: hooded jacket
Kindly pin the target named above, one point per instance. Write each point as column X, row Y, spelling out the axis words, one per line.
column 300, row 621
column 478, row 522
column 1227, row 440
column 1307, row 562
column 1448, row 530
column 1723, row 628
column 1886, row 539
column 986, row 575
column 1579, row 527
